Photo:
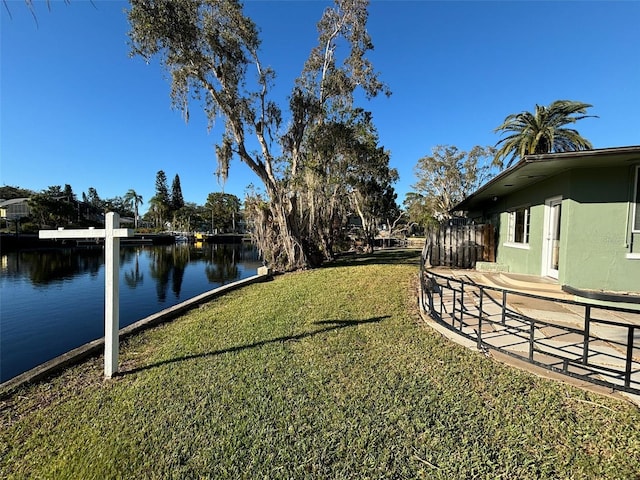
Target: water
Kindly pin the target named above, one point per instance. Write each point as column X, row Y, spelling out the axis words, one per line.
column 53, row 301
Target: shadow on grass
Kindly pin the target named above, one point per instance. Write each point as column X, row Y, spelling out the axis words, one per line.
column 388, row 256
column 334, row 325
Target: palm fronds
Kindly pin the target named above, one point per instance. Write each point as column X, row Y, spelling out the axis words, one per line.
column 542, row 132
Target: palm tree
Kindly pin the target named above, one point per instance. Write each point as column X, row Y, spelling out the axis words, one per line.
column 131, row 198
column 157, row 211
column 542, row 132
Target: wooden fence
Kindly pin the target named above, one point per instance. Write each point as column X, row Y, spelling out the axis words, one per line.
column 461, row 246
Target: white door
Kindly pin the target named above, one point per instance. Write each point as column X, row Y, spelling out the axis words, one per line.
column 551, row 252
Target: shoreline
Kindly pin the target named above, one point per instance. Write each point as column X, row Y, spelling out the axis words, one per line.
column 93, row 347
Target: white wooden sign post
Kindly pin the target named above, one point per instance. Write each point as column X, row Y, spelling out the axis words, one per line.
column 111, row 234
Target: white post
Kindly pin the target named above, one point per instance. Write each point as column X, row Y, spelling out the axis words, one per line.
column 111, row 235
column 111, row 294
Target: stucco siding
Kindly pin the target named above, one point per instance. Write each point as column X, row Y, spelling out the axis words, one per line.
column 529, row 260
column 521, row 259
column 597, row 232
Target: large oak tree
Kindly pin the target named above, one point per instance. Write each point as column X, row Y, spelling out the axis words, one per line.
column 211, row 50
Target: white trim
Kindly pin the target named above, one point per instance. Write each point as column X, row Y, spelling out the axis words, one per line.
column 632, row 256
column 636, row 200
column 545, row 269
column 511, row 225
column 521, row 246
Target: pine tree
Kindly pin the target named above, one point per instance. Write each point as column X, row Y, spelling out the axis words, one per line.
column 162, row 191
column 177, row 201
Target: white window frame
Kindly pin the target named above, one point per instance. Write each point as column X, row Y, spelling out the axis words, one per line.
column 511, row 227
column 635, row 217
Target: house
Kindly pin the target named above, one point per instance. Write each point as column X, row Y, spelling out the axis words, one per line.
column 14, row 209
column 572, row 216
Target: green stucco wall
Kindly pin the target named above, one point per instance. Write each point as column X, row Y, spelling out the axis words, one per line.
column 529, row 260
column 595, row 229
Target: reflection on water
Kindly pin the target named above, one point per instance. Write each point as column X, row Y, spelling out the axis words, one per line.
column 52, row 301
column 48, row 266
column 166, row 264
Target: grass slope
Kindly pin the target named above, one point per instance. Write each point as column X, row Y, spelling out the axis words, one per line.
column 320, row 374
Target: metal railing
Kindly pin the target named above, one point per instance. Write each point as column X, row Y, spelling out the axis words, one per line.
column 598, row 344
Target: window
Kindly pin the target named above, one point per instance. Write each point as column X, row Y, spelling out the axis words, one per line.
column 519, row 225
column 636, row 201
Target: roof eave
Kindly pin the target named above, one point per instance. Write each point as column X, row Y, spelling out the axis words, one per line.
column 543, row 158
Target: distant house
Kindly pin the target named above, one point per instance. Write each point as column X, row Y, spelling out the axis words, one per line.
column 14, row 209
column 572, row 216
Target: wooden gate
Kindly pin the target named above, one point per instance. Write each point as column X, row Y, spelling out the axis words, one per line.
column 461, row 246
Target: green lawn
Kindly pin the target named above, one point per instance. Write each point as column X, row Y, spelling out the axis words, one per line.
column 326, row 373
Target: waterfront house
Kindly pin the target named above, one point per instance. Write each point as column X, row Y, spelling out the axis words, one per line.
column 572, row 216
column 14, row 209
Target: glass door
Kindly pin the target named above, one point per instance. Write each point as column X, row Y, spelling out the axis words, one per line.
column 552, row 236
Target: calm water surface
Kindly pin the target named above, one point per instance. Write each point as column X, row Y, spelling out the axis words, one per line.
column 53, row 301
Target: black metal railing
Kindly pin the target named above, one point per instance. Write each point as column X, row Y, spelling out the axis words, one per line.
column 591, row 342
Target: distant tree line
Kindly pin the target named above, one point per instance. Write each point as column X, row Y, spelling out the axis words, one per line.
column 59, row 206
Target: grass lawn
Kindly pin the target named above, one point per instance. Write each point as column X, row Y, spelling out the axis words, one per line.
column 326, row 373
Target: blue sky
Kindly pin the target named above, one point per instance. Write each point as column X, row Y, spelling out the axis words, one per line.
column 74, row 108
